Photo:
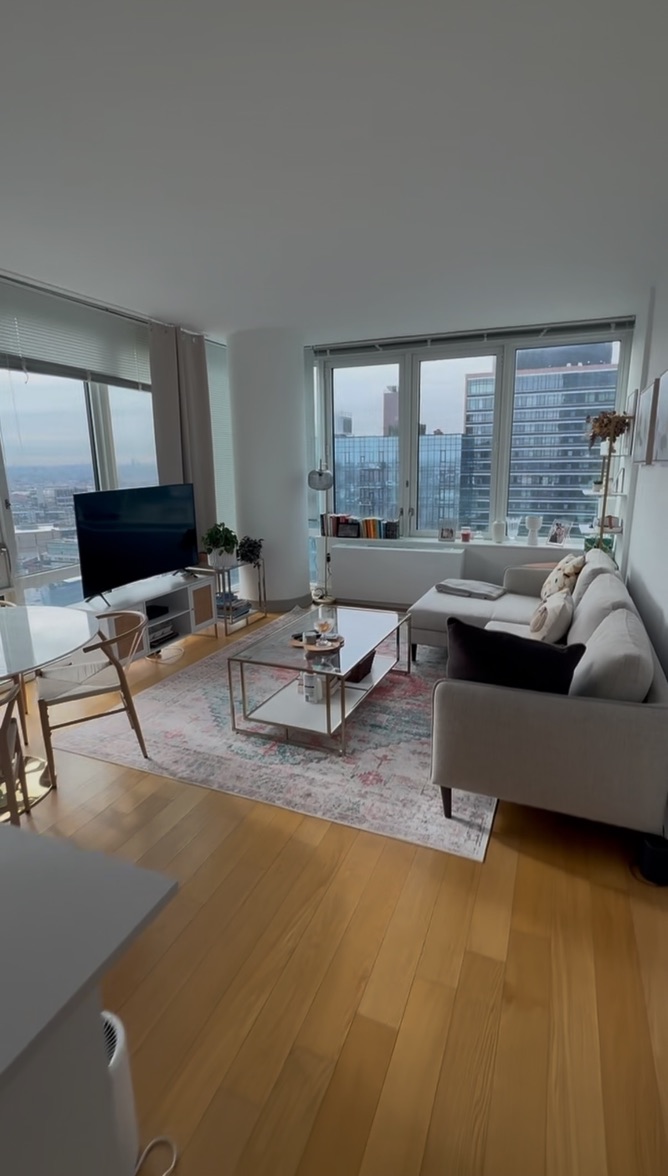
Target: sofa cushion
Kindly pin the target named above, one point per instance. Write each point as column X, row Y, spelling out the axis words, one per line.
column 605, row 594
column 618, row 661
column 552, row 618
column 432, row 610
column 502, row 659
column 509, row 627
column 563, row 576
column 597, row 563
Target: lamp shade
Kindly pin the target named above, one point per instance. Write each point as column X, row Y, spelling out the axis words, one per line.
column 321, row 479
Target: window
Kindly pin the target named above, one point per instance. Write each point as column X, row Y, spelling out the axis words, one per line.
column 366, row 440
column 544, row 441
column 431, row 429
column 62, row 437
column 456, row 419
column 133, row 438
column 48, row 458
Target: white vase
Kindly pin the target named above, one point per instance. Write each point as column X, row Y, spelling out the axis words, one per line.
column 498, row 531
column 533, row 525
column 222, row 559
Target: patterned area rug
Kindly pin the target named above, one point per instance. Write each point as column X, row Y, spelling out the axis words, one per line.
column 381, row 784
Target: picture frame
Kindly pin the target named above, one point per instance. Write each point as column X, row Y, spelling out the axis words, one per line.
column 447, row 530
column 559, row 532
column 660, row 440
column 631, row 411
column 643, row 441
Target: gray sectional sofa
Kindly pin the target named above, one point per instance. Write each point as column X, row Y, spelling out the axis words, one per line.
column 600, row 752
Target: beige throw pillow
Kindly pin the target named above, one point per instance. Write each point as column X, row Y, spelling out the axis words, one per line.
column 552, row 618
column 564, row 576
column 618, row 661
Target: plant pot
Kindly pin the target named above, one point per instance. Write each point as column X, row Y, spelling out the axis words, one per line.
column 222, row 559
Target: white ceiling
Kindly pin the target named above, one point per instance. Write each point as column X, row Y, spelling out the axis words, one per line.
column 353, row 169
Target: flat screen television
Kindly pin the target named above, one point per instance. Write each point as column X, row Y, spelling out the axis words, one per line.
column 127, row 535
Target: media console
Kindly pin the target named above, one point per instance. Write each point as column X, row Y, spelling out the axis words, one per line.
column 177, row 605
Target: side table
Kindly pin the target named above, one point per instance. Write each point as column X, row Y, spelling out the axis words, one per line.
column 231, row 610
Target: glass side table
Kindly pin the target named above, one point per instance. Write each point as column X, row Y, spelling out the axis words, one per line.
column 234, row 611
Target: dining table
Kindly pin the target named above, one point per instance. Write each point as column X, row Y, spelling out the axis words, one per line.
column 32, row 636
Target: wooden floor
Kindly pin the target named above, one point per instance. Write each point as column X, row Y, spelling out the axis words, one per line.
column 327, row 1002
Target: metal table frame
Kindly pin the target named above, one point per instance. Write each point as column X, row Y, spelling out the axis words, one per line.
column 336, row 727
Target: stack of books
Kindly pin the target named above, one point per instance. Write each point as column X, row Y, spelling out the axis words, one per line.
column 231, row 607
column 345, row 526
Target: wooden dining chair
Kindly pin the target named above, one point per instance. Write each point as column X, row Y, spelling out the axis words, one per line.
column 22, row 701
column 12, row 762
column 96, row 669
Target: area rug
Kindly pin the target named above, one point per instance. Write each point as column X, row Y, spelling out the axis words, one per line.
column 380, row 785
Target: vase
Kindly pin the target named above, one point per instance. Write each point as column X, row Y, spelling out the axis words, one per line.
column 498, row 531
column 222, row 559
column 533, row 526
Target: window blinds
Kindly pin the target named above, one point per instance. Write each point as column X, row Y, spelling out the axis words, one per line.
column 41, row 331
column 221, row 428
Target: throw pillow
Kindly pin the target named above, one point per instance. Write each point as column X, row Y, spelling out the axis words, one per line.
column 502, row 659
column 618, row 662
column 552, row 618
column 563, row 576
column 597, row 563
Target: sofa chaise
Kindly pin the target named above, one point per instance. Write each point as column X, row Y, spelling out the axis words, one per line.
column 600, row 752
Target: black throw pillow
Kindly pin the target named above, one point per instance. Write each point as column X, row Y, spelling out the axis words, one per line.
column 503, row 659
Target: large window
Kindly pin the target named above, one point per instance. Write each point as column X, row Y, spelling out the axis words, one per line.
column 436, row 429
column 556, row 389
column 61, row 437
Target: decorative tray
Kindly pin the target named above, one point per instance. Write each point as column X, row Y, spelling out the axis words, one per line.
column 324, row 647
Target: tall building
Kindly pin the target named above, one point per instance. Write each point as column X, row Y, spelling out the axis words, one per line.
column 391, row 411
column 556, row 389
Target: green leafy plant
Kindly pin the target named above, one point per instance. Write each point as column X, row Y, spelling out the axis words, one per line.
column 220, row 538
column 249, row 550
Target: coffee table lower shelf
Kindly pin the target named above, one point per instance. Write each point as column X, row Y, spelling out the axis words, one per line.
column 288, row 709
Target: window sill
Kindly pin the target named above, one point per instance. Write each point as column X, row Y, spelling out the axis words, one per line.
column 426, row 544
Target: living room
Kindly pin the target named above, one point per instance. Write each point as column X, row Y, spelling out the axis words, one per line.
column 239, row 243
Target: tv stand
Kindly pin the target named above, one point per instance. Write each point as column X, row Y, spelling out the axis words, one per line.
column 177, row 604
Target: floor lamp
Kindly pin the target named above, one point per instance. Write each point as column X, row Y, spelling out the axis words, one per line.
column 322, row 480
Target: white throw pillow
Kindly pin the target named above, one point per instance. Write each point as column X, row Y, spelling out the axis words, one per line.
column 597, row 563
column 552, row 618
column 564, row 576
column 617, row 662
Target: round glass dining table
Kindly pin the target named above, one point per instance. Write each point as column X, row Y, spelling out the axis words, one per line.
column 34, row 635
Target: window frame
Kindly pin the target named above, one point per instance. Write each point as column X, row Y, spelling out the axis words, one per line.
column 408, row 354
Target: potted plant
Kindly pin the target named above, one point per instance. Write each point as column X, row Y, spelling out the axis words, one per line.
column 606, row 428
column 220, row 544
column 249, row 550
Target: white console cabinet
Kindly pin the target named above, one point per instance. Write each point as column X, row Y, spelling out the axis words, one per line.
column 176, row 605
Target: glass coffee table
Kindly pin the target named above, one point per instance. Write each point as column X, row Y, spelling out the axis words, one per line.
column 341, row 678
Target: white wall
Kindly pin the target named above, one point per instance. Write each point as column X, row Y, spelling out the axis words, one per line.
column 394, row 574
column 647, row 568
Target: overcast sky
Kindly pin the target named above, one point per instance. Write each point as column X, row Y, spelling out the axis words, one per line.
column 43, row 421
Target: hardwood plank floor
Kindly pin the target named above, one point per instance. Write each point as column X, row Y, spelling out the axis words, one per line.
column 317, row 1000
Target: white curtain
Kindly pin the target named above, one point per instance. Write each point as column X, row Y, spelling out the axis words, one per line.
column 182, row 417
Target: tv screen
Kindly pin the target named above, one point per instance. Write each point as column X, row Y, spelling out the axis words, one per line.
column 127, row 535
